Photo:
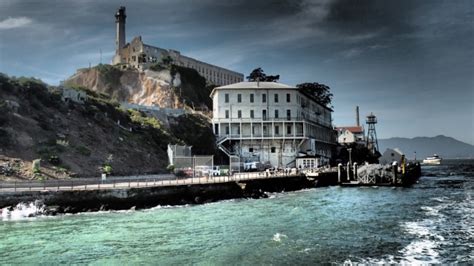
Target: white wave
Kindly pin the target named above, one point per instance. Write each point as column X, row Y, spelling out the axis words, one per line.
column 422, row 229
column 277, row 237
column 433, row 211
column 440, row 199
column 421, row 251
column 23, row 210
column 347, row 262
column 389, row 260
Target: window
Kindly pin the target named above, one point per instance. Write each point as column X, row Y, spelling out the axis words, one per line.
column 288, row 114
column 288, row 97
column 239, row 114
column 251, row 114
column 226, row 97
column 226, row 113
column 277, row 130
column 264, row 98
column 273, row 149
column 265, row 132
column 227, row 130
column 238, row 130
column 251, row 97
column 276, row 97
column 276, row 113
column 239, row 98
column 288, row 129
column 253, row 130
column 250, row 149
column 264, row 114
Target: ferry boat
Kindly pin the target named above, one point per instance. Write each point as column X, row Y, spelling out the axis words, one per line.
column 435, row 159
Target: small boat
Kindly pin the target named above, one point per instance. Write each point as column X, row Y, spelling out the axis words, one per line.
column 435, row 159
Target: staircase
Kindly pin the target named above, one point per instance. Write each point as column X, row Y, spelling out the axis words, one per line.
column 220, row 141
column 225, row 150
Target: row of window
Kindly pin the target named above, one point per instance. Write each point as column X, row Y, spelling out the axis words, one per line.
column 273, row 149
column 264, row 114
column 289, row 130
column 252, row 98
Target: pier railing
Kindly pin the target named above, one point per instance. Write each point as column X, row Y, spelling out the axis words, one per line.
column 75, row 184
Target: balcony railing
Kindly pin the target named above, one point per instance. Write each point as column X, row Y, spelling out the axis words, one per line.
column 259, row 135
column 258, row 119
column 271, row 120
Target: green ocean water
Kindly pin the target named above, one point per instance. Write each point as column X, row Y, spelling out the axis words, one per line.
column 430, row 222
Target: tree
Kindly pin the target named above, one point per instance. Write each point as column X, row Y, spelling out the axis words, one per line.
column 259, row 75
column 320, row 92
column 256, row 75
column 167, row 60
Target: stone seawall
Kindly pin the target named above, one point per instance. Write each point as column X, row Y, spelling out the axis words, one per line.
column 120, row 199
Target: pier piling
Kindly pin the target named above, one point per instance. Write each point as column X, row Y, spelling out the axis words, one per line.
column 394, row 172
column 348, row 171
column 355, row 172
column 339, row 173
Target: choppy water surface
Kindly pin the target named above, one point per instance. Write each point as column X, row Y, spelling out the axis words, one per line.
column 432, row 222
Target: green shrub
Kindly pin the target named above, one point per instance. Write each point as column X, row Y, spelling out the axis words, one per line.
column 170, row 168
column 62, row 142
column 5, row 83
column 36, row 166
column 49, row 148
column 158, row 67
column 54, row 160
column 107, row 169
column 83, row 150
column 145, row 121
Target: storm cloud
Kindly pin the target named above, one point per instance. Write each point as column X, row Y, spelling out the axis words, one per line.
column 409, row 62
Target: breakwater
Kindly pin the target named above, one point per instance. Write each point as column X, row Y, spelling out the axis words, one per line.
column 73, row 201
column 119, row 194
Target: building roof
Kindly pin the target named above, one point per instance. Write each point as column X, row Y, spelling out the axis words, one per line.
column 352, row 129
column 395, row 150
column 254, row 85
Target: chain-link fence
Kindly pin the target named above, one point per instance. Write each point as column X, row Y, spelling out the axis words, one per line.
column 193, row 166
column 234, row 164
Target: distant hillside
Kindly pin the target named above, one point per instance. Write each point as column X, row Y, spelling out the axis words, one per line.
column 446, row 147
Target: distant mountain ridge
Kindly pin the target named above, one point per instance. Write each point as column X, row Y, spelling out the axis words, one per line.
column 446, row 147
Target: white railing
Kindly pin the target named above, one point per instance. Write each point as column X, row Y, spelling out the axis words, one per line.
column 140, row 182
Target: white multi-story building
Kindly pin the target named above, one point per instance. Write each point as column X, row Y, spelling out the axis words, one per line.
column 141, row 56
column 270, row 122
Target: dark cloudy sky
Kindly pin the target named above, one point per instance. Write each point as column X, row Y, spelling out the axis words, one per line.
column 409, row 62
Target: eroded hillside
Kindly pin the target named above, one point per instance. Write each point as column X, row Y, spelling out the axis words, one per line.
column 74, row 139
column 171, row 87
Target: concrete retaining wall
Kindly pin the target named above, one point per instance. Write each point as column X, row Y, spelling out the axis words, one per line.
column 119, row 199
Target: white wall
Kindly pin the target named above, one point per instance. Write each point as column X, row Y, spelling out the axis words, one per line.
column 233, row 106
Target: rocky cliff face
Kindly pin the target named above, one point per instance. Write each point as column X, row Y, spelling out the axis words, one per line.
column 144, row 88
column 172, row 87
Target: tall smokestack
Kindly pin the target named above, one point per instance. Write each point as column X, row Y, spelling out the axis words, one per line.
column 357, row 116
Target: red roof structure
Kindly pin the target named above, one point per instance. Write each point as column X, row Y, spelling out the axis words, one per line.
column 352, row 129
